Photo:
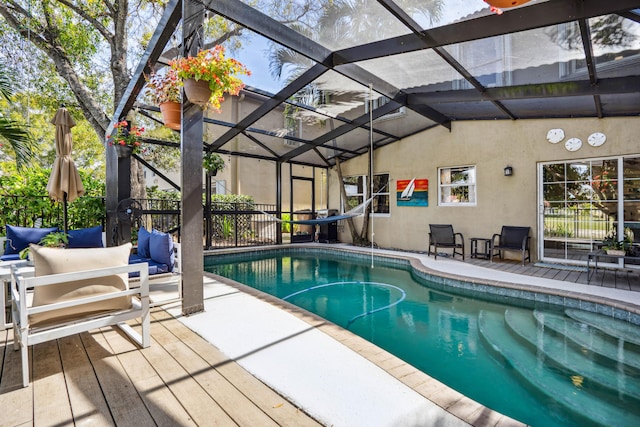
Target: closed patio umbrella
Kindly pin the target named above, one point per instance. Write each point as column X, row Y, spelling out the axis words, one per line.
column 64, row 183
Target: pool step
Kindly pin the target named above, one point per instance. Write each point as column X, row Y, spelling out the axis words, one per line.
column 578, row 365
column 550, row 382
column 587, row 338
column 614, row 327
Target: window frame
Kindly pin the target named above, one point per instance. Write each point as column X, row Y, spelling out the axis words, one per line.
column 364, row 195
column 472, row 186
column 386, row 194
column 360, row 195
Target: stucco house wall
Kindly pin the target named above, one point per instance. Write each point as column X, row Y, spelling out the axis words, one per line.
column 490, row 146
column 256, row 177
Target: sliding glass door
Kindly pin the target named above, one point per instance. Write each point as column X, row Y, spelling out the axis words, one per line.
column 583, row 201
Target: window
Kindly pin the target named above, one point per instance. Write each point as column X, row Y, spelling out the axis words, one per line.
column 611, row 36
column 381, row 191
column 457, row 186
column 379, row 102
column 357, row 192
column 221, row 187
column 355, row 188
column 488, row 60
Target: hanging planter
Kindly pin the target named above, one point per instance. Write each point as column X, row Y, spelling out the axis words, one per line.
column 127, row 139
column 210, row 69
column 197, row 91
column 171, row 114
column 164, row 90
column 123, row 151
column 212, row 163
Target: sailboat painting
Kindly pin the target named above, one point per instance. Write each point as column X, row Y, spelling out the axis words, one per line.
column 412, row 192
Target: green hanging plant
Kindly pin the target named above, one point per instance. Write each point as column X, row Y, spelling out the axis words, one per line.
column 212, row 163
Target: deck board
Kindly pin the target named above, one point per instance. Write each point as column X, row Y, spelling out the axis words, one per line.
column 124, row 402
column 50, row 401
column 277, row 407
column 16, row 402
column 85, row 396
column 240, row 409
column 162, row 404
column 193, row 397
column 100, row 378
column 627, row 279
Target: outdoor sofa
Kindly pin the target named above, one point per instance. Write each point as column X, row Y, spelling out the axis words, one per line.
column 155, row 248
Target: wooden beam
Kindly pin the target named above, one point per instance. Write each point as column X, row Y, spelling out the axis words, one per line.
column 191, row 220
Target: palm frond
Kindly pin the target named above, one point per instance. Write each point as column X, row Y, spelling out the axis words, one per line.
column 19, row 140
column 5, row 84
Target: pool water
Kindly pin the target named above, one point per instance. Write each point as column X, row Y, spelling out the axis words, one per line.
column 542, row 365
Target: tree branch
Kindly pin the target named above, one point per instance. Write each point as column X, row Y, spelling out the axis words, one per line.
column 46, row 40
column 90, row 19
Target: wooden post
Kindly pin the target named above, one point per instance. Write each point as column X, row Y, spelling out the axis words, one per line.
column 191, row 152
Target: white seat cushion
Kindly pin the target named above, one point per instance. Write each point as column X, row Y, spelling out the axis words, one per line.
column 54, row 261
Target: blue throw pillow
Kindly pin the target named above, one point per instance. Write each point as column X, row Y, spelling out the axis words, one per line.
column 19, row 238
column 143, row 243
column 86, row 238
column 161, row 248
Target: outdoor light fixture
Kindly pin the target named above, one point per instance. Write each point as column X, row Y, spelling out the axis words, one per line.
column 508, row 171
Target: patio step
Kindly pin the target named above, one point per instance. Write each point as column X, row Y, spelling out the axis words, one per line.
column 614, row 327
column 575, row 363
column 551, row 382
column 588, row 338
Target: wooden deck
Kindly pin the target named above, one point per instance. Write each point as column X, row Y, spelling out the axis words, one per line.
column 627, row 278
column 101, row 378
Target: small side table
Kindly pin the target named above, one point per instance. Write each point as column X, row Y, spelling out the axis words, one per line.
column 485, row 244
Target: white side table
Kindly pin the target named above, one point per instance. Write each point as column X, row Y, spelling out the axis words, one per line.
column 5, row 295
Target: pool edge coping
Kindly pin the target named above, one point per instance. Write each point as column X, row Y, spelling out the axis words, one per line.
column 417, row 265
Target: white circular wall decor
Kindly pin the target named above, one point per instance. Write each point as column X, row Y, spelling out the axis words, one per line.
column 555, row 135
column 596, row 139
column 573, row 144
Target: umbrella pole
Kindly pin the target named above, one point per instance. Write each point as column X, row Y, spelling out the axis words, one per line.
column 64, row 213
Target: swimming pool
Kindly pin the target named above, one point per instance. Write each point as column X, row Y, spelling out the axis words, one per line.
column 529, row 360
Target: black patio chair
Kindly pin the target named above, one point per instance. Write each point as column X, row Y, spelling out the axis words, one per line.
column 443, row 236
column 511, row 239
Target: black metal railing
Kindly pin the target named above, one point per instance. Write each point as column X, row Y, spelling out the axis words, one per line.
column 237, row 224
column 576, row 223
column 229, row 224
column 161, row 214
column 41, row 211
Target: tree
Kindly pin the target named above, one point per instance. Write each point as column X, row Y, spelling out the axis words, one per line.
column 24, row 199
column 78, row 39
column 14, row 134
column 606, row 31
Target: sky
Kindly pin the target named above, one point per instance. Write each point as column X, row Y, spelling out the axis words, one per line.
column 254, row 55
